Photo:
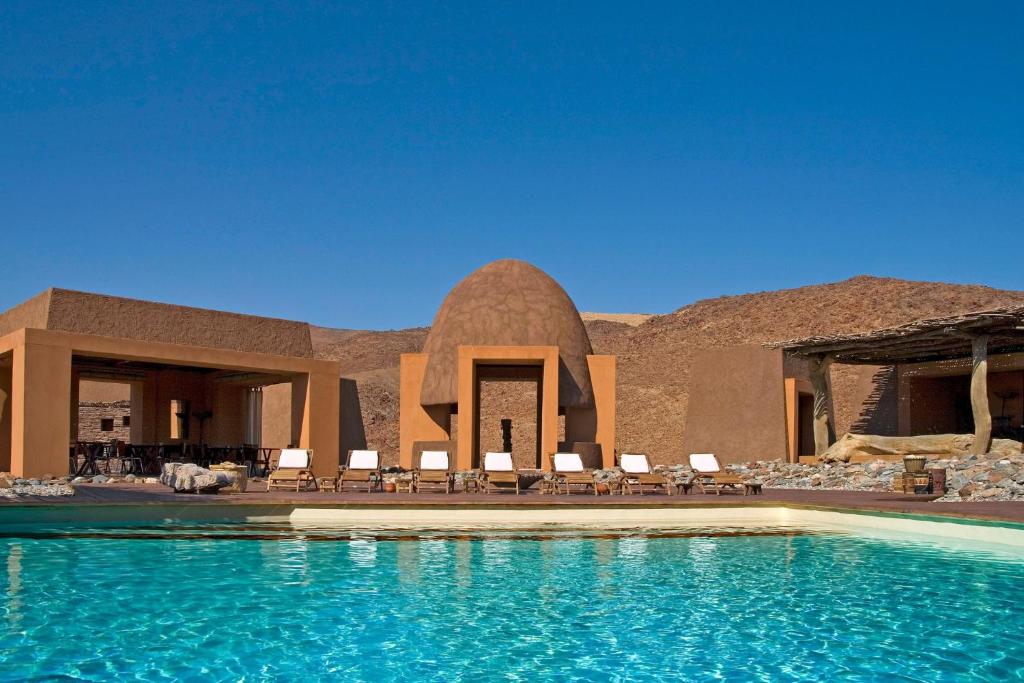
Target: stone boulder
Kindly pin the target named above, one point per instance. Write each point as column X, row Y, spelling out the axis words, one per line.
column 867, row 445
column 190, row 478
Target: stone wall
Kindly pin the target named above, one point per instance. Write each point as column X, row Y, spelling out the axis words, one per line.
column 91, row 413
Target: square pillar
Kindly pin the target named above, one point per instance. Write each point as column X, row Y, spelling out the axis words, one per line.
column 602, row 379
column 792, row 399
column 73, row 403
column 5, row 416
column 549, row 410
column 144, row 411
column 40, row 410
column 468, row 411
column 316, row 419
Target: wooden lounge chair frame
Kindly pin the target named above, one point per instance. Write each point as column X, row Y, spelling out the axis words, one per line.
column 356, row 473
column 289, row 476
column 433, row 477
column 713, row 478
column 566, row 478
column 489, row 478
column 638, row 473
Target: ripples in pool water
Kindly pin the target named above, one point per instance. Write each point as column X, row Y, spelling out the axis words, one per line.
column 267, row 602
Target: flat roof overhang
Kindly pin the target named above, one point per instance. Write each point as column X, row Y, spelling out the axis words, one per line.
column 86, row 346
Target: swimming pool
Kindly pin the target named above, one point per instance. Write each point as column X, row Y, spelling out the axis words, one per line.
column 264, row 601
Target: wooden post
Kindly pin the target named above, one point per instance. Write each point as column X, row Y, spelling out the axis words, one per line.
column 979, row 395
column 819, row 366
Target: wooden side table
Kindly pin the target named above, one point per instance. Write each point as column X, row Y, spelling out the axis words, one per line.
column 548, row 486
column 327, row 484
column 684, row 486
column 753, row 489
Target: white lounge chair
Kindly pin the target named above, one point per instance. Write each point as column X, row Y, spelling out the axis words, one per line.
column 709, row 475
column 638, row 473
column 363, row 468
column 434, row 471
column 498, row 469
column 294, row 470
column 569, row 471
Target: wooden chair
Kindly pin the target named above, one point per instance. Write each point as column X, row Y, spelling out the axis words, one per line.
column 293, row 471
column 362, row 469
column 434, row 472
column 639, row 474
column 569, row 471
column 709, row 476
column 497, row 469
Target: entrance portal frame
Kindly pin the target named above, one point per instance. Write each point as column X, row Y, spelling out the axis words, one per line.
column 419, row 423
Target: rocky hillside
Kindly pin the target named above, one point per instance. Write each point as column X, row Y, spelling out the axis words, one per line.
column 655, row 352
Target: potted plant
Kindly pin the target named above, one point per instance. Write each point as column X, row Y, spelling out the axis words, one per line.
column 389, row 479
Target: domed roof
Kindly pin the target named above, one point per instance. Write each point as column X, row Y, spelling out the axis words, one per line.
column 507, row 303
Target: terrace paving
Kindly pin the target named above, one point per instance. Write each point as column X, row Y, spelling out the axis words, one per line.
column 1008, row 511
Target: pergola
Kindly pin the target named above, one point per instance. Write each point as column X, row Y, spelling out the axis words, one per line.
column 971, row 335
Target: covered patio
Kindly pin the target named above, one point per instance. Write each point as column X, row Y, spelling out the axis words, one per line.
column 188, row 399
column 985, row 349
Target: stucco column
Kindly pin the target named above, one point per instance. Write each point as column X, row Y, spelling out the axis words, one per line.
column 979, row 395
column 40, row 410
column 315, row 420
column 819, row 369
column 73, row 403
column 602, row 379
column 5, row 417
column 468, row 412
column 549, row 410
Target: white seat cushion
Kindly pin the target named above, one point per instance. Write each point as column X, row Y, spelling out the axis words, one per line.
column 364, row 460
column 434, row 460
column 498, row 462
column 294, row 458
column 705, row 462
column 634, row 463
column 567, row 462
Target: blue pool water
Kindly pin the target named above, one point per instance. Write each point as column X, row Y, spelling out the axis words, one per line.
column 275, row 603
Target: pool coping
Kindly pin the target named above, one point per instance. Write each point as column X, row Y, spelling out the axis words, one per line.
column 223, row 508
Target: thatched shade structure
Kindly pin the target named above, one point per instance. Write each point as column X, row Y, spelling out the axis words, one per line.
column 507, row 303
column 969, row 335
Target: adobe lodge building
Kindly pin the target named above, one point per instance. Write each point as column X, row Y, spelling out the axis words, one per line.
column 508, row 322
column 194, row 374
column 197, row 376
column 954, row 375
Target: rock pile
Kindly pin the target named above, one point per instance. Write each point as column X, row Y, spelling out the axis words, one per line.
column 190, row 478
column 968, row 477
column 17, row 487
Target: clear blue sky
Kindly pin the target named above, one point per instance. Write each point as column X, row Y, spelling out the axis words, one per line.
column 347, row 165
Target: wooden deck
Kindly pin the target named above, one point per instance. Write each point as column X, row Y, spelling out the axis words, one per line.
column 838, row 500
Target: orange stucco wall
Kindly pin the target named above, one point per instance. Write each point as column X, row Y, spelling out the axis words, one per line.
column 416, row 423
column 737, row 405
column 596, row 423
